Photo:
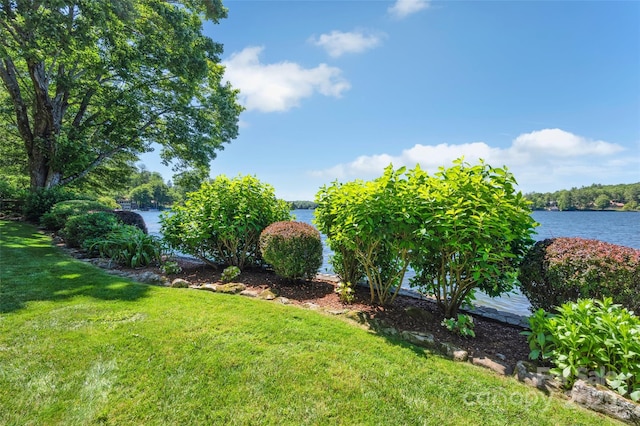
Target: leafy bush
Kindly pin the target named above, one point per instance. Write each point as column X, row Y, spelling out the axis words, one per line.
column 369, row 227
column 473, row 228
column 57, row 217
column 593, row 339
column 222, row 221
column 294, row 249
column 560, row 270
column 463, row 325
column 465, row 228
column 345, row 292
column 229, row 274
column 343, row 260
column 41, row 201
column 109, row 202
column 88, row 227
column 129, row 246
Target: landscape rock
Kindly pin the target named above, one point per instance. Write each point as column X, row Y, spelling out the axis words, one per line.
column 180, row 283
column 425, row 340
column 357, row 316
column 267, row 294
column 283, row 300
column 231, row 288
column 249, row 293
column 531, row 375
column 419, row 314
column 454, row 352
column 209, row 287
column 495, row 366
column 606, row 402
column 149, row 278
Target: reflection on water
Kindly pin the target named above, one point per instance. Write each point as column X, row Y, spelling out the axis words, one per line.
column 622, row 228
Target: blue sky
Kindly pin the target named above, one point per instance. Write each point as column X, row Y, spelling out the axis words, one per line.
column 337, row 90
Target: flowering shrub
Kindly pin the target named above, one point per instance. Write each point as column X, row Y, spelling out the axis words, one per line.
column 559, row 270
column 294, row 249
column 596, row 339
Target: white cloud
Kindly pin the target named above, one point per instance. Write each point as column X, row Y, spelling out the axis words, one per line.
column 559, row 143
column 403, row 8
column 337, row 43
column 279, row 86
column 543, row 160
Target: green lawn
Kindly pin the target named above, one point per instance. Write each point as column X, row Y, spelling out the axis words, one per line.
column 78, row 346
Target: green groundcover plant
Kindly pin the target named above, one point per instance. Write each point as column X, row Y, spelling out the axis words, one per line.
column 591, row 339
column 129, row 246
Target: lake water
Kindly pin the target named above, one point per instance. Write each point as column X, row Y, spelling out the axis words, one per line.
column 622, row 228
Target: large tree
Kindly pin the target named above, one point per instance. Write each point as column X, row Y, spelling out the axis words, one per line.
column 91, row 82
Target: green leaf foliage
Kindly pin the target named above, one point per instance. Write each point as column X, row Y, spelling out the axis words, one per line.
column 370, row 226
column 129, row 246
column 474, row 228
column 62, row 211
column 88, row 227
column 595, row 340
column 222, row 221
column 293, row 249
column 91, row 84
column 462, row 229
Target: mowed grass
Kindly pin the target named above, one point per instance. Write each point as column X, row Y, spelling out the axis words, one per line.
column 78, row 346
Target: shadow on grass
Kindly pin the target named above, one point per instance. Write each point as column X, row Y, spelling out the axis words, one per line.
column 31, row 269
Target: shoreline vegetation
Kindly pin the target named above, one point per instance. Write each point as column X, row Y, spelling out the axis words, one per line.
column 78, row 345
column 597, row 197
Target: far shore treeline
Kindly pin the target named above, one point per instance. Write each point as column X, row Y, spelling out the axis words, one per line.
column 595, row 197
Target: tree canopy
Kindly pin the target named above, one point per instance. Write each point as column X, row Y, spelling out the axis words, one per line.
column 92, row 84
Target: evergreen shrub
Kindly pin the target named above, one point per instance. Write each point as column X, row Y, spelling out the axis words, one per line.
column 88, row 227
column 293, row 249
column 57, row 217
column 39, row 202
column 560, row 270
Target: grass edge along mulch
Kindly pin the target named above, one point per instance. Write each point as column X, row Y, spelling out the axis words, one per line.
column 79, row 346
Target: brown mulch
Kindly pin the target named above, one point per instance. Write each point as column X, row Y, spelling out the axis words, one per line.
column 495, row 340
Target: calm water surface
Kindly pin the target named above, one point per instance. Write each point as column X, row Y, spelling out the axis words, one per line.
column 622, row 228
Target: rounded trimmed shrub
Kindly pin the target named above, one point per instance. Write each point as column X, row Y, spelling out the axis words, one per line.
column 57, row 217
column 560, row 270
column 88, row 226
column 293, row 249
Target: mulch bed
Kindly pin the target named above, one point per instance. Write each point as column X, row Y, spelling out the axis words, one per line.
column 496, row 340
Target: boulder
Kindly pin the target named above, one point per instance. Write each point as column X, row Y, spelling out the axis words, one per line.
column 131, row 218
column 180, row 283
column 267, row 294
column 606, row 402
column 231, row 288
column 497, row 367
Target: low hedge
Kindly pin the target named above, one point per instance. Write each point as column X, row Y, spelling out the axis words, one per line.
column 560, row 270
column 60, row 213
column 88, row 227
column 293, row 249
